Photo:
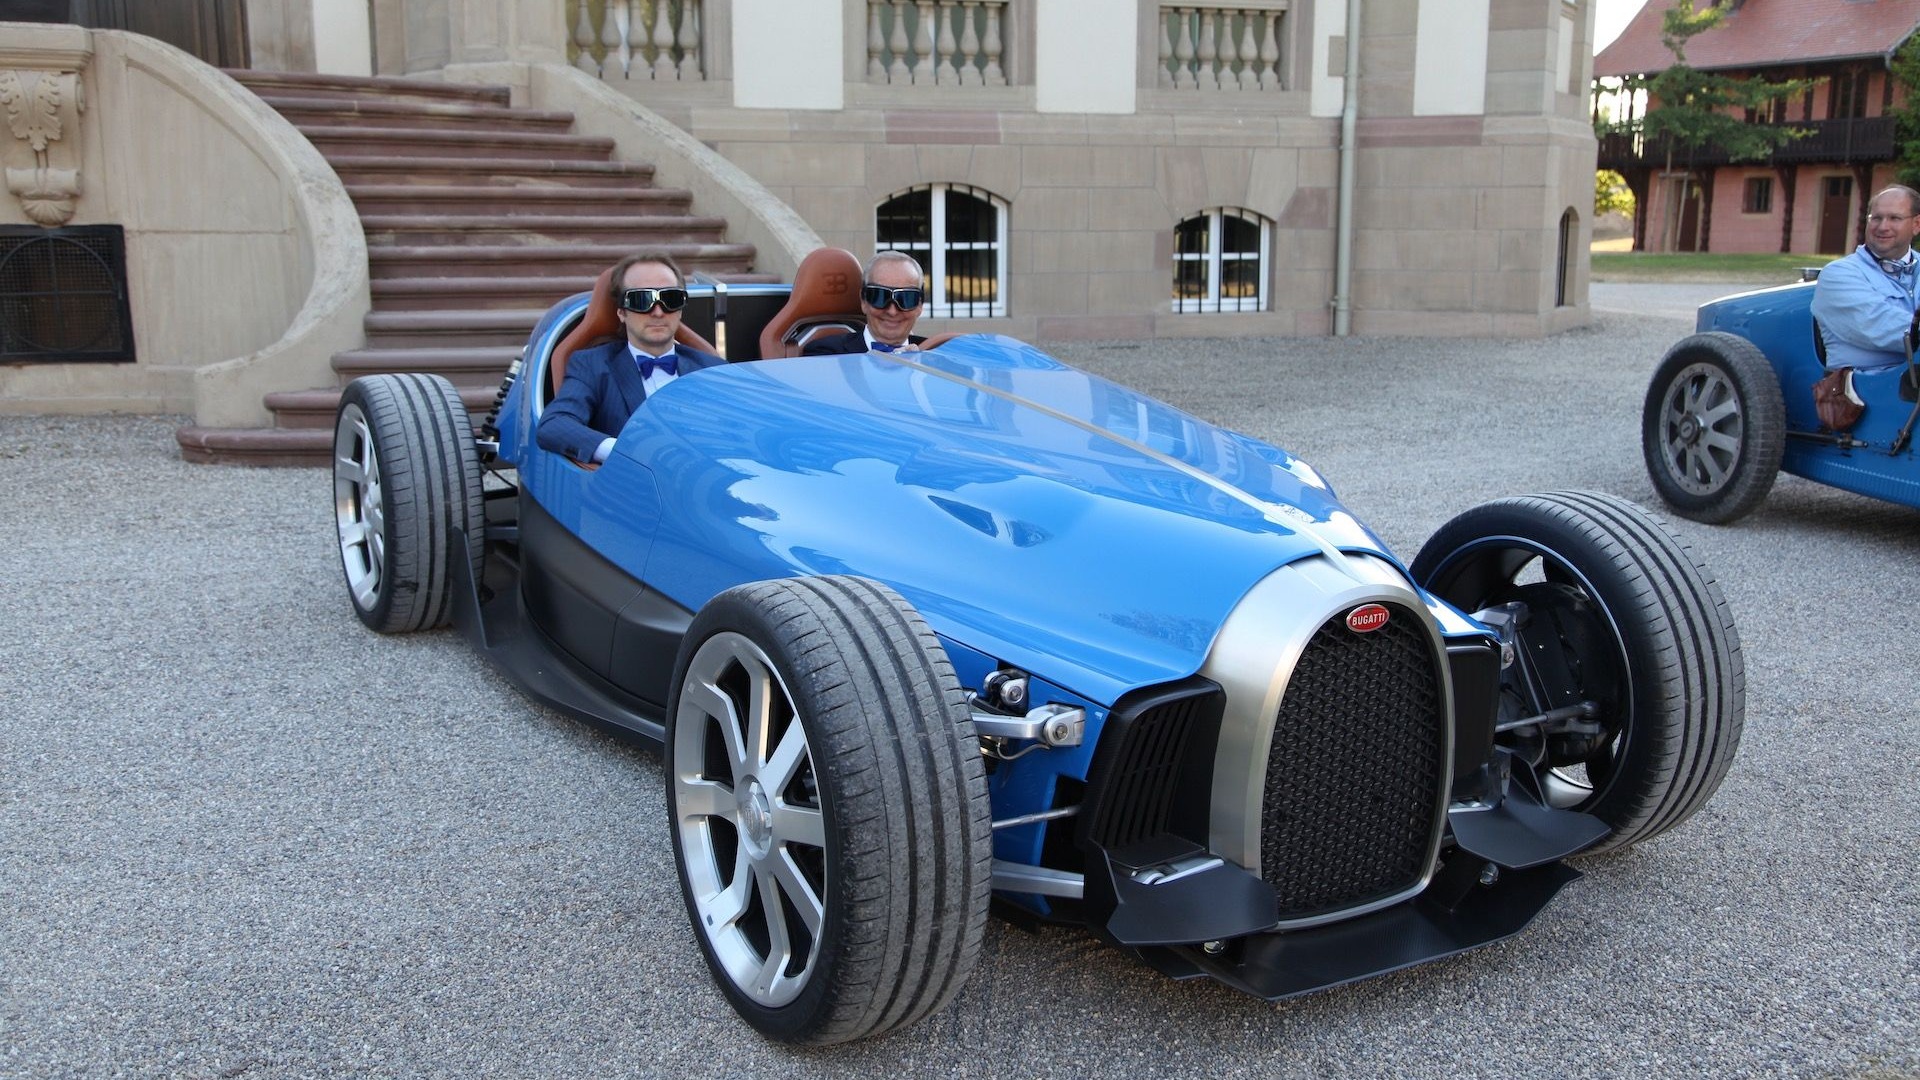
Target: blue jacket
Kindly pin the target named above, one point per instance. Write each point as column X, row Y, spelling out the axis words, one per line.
column 1863, row 311
column 601, row 390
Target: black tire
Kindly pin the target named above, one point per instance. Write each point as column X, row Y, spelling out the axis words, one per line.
column 1713, row 427
column 406, row 475
column 874, row 839
column 1622, row 601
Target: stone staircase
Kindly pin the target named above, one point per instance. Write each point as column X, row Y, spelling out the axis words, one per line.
column 478, row 216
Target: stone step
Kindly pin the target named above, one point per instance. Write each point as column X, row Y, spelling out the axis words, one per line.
column 301, row 84
column 506, row 174
column 476, row 293
column 501, row 200
column 266, row 447
column 463, row 145
column 305, row 409
column 480, row 365
column 450, row 329
column 722, row 260
column 308, row 113
column 636, row 230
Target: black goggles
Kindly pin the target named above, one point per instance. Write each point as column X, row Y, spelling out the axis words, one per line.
column 879, row 296
column 670, row 300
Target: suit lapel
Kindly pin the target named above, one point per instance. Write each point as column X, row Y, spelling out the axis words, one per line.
column 626, row 376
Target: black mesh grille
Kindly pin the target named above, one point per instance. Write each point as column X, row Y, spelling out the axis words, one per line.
column 1137, row 797
column 1353, row 780
column 63, row 294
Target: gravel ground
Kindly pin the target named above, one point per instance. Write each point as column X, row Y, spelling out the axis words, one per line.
column 241, row 836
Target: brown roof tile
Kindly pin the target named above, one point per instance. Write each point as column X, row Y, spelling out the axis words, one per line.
column 1765, row 32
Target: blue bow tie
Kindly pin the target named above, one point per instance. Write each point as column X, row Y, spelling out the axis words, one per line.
column 669, row 363
column 881, row 346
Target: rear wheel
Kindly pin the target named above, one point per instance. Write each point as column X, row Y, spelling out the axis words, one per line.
column 829, row 808
column 407, row 500
column 1713, row 427
column 1612, row 608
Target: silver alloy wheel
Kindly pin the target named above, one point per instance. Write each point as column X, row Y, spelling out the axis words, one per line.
column 359, row 506
column 1701, row 428
column 751, row 826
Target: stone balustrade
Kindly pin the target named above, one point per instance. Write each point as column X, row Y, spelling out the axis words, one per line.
column 1215, row 47
column 656, row 40
column 936, row 42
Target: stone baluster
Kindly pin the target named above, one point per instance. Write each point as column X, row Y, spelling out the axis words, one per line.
column 611, row 38
column 969, row 44
column 1204, row 71
column 1183, row 52
column 663, row 68
column 1249, row 52
column 583, row 40
column 1166, row 53
column 876, row 71
column 690, row 41
column 990, row 71
column 1229, row 53
column 1270, row 54
column 898, row 72
column 945, row 74
column 923, row 44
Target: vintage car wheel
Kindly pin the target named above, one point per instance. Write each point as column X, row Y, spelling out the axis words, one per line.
column 1626, row 615
column 829, row 808
column 1713, row 427
column 406, row 476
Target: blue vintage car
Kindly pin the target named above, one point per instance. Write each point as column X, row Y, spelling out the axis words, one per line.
column 1732, row 405
column 921, row 631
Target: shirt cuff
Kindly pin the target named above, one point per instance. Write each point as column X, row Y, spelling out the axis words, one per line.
column 600, row 452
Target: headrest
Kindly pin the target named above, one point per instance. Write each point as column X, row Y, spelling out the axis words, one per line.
column 826, row 289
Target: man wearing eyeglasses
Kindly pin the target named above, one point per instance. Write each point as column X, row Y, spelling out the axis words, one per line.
column 1865, row 301
column 606, row 383
column 891, row 299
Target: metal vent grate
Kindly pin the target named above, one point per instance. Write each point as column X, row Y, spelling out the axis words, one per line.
column 63, row 295
column 1355, row 771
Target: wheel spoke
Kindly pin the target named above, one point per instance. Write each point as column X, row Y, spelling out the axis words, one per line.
column 799, row 825
column 704, row 799
column 1728, row 408
column 785, row 761
column 797, row 893
column 779, row 945
column 724, row 908
column 761, row 691
column 711, row 701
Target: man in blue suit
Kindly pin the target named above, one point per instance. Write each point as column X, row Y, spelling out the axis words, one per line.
column 606, row 383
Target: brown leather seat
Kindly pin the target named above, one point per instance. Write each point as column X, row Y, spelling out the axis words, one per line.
column 601, row 324
column 825, row 300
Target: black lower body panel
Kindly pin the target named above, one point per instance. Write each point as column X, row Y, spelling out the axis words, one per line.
column 1283, row 964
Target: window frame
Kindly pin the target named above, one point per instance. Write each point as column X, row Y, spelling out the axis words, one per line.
column 1762, row 186
column 932, row 254
column 1214, row 258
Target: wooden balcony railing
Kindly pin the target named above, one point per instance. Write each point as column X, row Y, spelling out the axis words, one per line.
column 1832, row 141
column 655, row 40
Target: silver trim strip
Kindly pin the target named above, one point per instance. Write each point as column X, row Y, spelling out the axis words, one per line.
column 1020, row 878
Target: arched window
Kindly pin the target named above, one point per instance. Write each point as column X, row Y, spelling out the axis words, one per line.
column 959, row 234
column 1220, row 261
column 1569, row 239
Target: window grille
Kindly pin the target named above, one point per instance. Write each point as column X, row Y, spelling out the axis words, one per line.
column 959, row 236
column 63, row 295
column 1220, row 262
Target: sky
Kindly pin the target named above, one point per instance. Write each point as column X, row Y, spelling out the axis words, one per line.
column 1609, row 18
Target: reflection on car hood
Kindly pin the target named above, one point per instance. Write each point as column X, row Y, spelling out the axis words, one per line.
column 1028, row 509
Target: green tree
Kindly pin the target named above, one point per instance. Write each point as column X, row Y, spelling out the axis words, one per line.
column 1906, row 117
column 1690, row 110
column 1610, row 193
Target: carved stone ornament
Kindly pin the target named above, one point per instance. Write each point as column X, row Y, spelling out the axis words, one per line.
column 42, row 159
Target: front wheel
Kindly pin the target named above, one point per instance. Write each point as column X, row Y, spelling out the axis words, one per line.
column 407, row 500
column 829, row 808
column 1713, row 427
column 1612, row 609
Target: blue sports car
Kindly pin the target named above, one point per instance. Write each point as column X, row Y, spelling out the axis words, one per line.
column 922, row 632
column 1732, row 406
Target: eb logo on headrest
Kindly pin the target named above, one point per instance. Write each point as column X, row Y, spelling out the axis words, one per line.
column 836, row 282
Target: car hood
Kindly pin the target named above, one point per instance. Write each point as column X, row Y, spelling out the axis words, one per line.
column 1042, row 515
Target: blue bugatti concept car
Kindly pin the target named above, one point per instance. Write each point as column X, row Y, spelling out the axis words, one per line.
column 1732, row 406
column 925, row 632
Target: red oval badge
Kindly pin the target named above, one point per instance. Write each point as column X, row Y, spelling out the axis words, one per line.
column 1367, row 618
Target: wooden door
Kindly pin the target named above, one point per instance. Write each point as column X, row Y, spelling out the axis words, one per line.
column 213, row 30
column 1836, row 213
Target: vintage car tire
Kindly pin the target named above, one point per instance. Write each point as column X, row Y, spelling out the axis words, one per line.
column 407, row 499
column 874, row 840
column 1713, row 427
column 1616, row 575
